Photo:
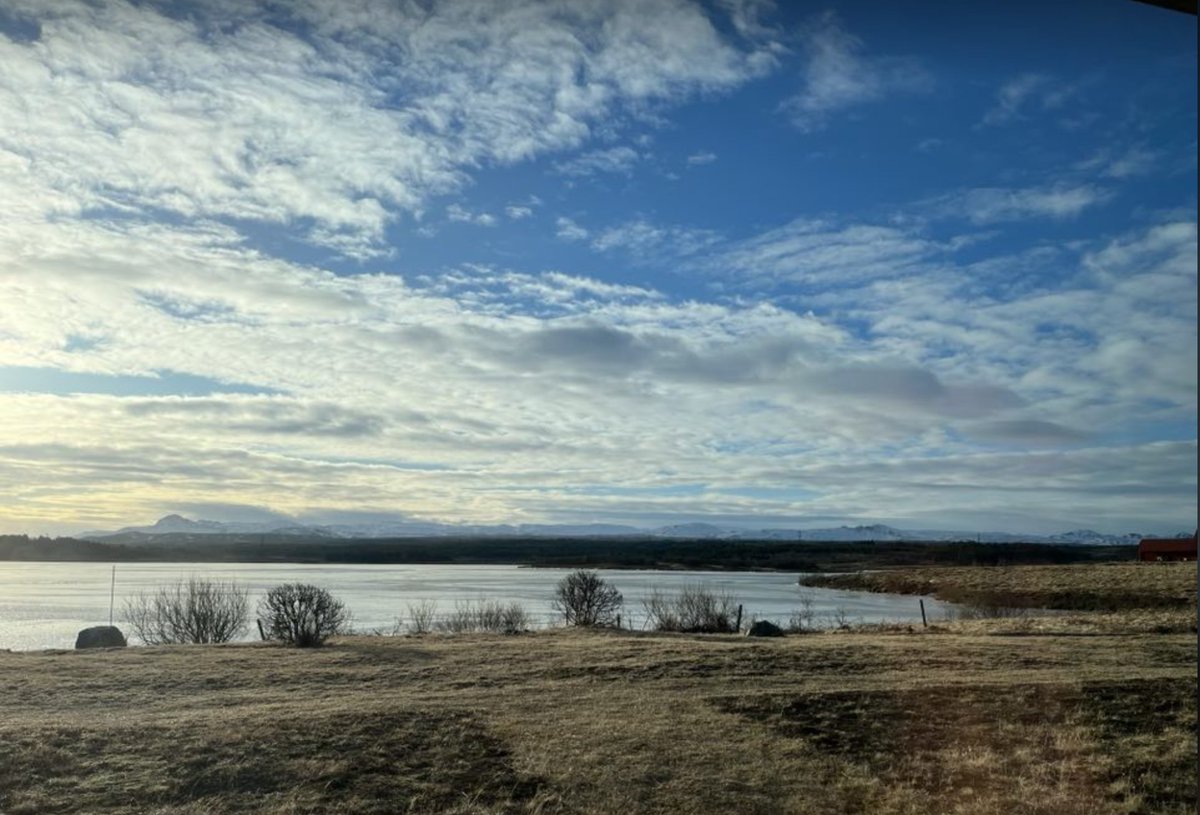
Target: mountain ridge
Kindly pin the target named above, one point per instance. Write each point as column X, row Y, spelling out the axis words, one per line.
column 177, row 525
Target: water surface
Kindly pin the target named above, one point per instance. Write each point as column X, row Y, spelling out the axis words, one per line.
column 44, row 605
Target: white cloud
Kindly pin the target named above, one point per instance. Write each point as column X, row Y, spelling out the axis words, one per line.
column 1030, row 90
column 487, row 394
column 986, row 205
column 823, row 254
column 703, row 157
column 617, row 160
column 460, row 214
column 566, row 229
column 647, row 240
column 882, row 375
column 228, row 112
column 1120, row 164
column 838, row 75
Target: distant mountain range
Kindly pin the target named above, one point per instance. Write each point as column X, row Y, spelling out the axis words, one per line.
column 177, row 526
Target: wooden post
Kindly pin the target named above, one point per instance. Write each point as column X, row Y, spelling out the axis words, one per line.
column 924, row 622
column 262, row 634
column 738, row 626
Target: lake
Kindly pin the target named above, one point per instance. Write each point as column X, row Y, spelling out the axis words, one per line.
column 44, row 605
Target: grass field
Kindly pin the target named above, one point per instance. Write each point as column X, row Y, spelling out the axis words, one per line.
column 959, row 718
column 1090, row 587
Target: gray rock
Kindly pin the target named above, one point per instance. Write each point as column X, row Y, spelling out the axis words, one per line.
column 100, row 636
column 764, row 628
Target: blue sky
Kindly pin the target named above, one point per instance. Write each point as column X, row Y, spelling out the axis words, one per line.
column 928, row 264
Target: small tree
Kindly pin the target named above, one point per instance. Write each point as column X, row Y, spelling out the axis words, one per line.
column 585, row 598
column 189, row 611
column 302, row 615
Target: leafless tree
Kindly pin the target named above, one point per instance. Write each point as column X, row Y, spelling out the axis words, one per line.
column 585, row 598
column 189, row 611
column 302, row 615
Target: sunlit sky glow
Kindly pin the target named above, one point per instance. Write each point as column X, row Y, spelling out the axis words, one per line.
column 931, row 265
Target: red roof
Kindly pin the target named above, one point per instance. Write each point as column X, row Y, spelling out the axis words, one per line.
column 1167, row 545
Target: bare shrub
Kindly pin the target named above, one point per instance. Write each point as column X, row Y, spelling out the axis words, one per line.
column 189, row 611
column 839, row 618
column 422, row 616
column 585, row 598
column 804, row 618
column 694, row 609
column 485, row 616
column 302, row 615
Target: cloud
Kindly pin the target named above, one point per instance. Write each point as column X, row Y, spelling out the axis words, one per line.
column 260, row 416
column 645, row 240
column 1026, row 432
column 1120, row 164
column 488, row 393
column 844, row 366
column 913, row 387
column 460, row 214
column 987, row 205
column 838, row 75
column 616, row 160
column 703, row 157
column 324, row 115
column 1029, row 90
column 567, row 230
column 821, row 254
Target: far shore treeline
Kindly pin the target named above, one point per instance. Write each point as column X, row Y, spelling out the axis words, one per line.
column 627, row 553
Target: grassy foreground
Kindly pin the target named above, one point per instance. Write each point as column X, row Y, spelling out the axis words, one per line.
column 1112, row 587
column 943, row 720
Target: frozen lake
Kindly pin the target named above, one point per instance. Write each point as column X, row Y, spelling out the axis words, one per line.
column 44, row 605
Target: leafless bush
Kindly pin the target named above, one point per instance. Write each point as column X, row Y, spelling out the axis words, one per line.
column 585, row 598
column 421, row 616
column 804, row 618
column 694, row 609
column 485, row 616
column 839, row 618
column 189, row 611
column 302, row 615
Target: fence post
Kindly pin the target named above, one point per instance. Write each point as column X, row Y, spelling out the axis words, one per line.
column 924, row 622
column 738, row 626
column 262, row 634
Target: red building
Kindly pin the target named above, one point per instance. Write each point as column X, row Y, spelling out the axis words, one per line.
column 1167, row 548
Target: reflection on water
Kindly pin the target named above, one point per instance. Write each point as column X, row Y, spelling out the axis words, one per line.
column 43, row 605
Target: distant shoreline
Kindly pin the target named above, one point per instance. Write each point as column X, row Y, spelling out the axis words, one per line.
column 597, row 553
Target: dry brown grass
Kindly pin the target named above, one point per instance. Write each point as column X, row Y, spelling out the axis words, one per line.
column 574, row 721
column 1090, row 587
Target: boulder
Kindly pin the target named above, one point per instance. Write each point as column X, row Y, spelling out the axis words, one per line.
column 764, row 628
column 100, row 636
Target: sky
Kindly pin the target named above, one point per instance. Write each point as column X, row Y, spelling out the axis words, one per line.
column 929, row 264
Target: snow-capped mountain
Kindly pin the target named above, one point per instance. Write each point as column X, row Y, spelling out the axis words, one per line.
column 177, row 525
